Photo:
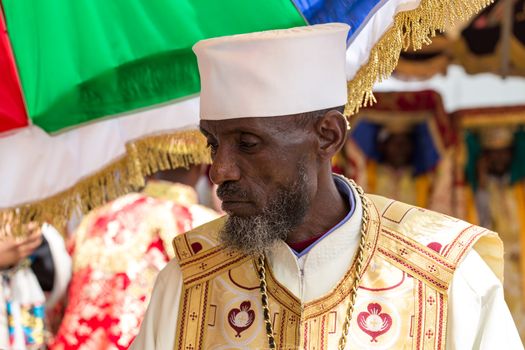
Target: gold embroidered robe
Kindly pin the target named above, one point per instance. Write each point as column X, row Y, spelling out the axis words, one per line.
column 410, row 258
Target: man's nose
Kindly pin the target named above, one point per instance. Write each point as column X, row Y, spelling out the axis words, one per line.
column 224, row 167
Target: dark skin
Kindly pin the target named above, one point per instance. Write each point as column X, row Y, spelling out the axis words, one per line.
column 397, row 150
column 260, row 155
column 498, row 161
column 495, row 162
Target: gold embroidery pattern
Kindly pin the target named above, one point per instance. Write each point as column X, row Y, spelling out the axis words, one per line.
column 416, row 259
column 286, row 326
column 182, row 247
column 463, row 242
column 193, row 317
column 397, row 211
column 280, row 294
column 434, row 318
column 182, row 244
column 318, row 324
column 209, row 264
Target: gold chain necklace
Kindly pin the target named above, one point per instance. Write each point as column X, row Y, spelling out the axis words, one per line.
column 355, row 285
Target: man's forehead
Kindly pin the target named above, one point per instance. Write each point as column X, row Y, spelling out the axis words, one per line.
column 253, row 125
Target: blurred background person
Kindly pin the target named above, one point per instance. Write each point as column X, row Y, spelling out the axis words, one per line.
column 118, row 251
column 492, row 158
column 35, row 270
column 400, row 148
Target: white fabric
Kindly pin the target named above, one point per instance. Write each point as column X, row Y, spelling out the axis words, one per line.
column 460, row 90
column 478, row 317
column 36, row 165
column 22, row 290
column 27, row 289
column 61, row 263
column 302, row 275
column 273, row 73
column 359, row 48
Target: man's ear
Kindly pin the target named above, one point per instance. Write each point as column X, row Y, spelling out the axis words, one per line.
column 332, row 132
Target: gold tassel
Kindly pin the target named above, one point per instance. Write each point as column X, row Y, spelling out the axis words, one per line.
column 413, row 28
column 143, row 157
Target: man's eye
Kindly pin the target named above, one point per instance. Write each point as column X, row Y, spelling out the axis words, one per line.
column 247, row 145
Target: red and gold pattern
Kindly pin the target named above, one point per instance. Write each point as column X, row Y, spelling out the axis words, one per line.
column 119, row 250
column 401, row 302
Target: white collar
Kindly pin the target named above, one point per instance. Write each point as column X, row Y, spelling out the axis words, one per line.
column 317, row 272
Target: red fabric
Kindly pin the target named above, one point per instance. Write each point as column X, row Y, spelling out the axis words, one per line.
column 300, row 246
column 105, row 307
column 420, row 101
column 12, row 109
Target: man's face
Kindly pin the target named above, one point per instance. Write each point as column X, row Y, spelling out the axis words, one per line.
column 398, row 150
column 498, row 161
column 264, row 171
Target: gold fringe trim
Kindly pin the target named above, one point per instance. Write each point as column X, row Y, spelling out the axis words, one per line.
column 143, row 157
column 413, row 28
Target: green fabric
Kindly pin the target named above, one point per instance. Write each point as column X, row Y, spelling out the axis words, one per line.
column 473, row 153
column 517, row 170
column 84, row 59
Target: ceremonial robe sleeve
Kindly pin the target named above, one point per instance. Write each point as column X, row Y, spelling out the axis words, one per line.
column 158, row 328
column 478, row 317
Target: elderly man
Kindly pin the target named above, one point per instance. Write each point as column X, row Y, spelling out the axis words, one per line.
column 304, row 259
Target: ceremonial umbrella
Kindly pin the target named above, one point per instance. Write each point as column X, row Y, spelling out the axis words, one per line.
column 12, row 111
column 80, row 63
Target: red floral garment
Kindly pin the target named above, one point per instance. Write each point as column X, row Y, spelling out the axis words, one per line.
column 119, row 250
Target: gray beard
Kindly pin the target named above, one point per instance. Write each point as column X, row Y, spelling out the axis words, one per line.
column 254, row 235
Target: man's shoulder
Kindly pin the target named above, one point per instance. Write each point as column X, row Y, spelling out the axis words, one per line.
column 435, row 238
column 201, row 238
column 413, row 220
column 201, row 257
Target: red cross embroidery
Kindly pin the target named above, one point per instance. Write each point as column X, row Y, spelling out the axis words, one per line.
column 429, row 333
